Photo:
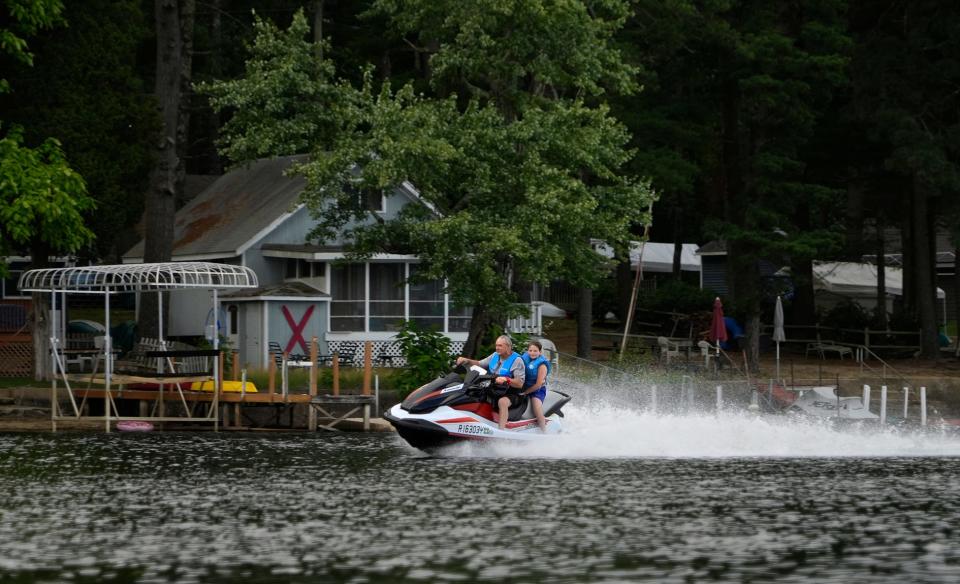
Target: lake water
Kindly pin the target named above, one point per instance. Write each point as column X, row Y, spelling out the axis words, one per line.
column 622, row 496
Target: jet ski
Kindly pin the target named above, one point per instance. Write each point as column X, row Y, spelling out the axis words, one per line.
column 452, row 409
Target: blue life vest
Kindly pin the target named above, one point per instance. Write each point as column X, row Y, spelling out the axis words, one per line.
column 496, row 368
column 532, row 368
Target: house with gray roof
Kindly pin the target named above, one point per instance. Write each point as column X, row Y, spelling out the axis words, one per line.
column 252, row 216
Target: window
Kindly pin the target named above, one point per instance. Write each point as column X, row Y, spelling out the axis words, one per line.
column 459, row 319
column 372, row 297
column 314, row 273
column 426, row 302
column 386, row 296
column 348, row 291
column 367, row 198
column 233, row 320
column 374, row 200
column 8, row 286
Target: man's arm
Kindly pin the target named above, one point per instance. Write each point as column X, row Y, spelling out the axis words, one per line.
column 518, row 373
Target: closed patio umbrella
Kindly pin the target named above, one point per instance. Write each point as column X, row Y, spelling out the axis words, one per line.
column 778, row 334
column 718, row 330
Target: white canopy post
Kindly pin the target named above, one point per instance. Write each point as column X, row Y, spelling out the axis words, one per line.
column 216, row 362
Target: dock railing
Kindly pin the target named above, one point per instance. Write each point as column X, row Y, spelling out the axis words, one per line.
column 873, row 339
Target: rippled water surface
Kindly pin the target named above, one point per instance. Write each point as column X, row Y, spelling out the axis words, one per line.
column 680, row 501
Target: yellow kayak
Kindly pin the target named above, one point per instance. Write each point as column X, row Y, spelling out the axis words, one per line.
column 231, row 386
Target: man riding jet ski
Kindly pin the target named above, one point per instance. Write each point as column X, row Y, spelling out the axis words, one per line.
column 449, row 410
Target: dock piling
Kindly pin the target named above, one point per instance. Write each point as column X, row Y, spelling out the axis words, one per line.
column 883, row 405
column 923, row 406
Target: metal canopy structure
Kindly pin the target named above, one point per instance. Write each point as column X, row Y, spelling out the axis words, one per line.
column 138, row 278
column 112, row 279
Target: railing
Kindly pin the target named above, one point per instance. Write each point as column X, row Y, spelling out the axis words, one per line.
column 531, row 325
column 872, row 339
column 13, row 317
column 862, row 352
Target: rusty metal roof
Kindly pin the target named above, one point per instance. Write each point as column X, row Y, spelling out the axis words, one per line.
column 236, row 208
column 291, row 290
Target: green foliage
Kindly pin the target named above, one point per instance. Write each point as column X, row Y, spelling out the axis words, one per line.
column 286, row 103
column 517, row 54
column 85, row 91
column 23, row 18
column 516, row 179
column 427, row 353
column 41, row 197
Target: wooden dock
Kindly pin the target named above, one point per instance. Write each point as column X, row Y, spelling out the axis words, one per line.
column 156, row 402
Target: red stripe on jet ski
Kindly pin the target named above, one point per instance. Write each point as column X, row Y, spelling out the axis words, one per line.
column 455, row 420
column 481, row 408
column 428, row 396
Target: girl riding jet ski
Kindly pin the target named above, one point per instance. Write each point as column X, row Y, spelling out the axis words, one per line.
column 449, row 410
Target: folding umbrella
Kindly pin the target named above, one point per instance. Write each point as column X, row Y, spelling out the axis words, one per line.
column 778, row 334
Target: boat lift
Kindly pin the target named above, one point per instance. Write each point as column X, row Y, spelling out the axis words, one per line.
column 113, row 279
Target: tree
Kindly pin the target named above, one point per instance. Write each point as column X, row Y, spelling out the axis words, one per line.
column 21, row 19
column 43, row 198
column 522, row 177
column 85, row 90
column 907, row 72
column 775, row 68
column 42, row 201
column 174, row 22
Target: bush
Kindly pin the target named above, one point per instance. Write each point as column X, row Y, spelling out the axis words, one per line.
column 427, row 353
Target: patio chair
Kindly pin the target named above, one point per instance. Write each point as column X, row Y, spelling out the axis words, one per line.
column 668, row 348
column 821, row 349
column 707, row 351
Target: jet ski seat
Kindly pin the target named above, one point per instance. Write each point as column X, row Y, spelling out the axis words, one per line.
column 524, row 410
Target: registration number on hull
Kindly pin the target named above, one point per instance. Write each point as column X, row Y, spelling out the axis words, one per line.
column 474, row 430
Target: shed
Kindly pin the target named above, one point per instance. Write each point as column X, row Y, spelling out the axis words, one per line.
column 287, row 313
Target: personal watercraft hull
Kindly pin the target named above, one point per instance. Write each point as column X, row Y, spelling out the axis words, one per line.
column 445, row 426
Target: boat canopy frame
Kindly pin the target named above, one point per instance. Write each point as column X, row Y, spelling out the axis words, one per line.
column 165, row 276
column 121, row 278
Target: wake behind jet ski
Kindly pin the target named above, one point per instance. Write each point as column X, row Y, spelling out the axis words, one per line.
column 450, row 410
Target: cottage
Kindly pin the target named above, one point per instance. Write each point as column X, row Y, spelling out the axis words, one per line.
column 252, row 217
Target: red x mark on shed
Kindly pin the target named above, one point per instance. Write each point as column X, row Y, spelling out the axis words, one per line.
column 296, row 335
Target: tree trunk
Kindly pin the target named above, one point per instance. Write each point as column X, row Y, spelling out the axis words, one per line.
column 907, row 299
column 39, row 317
column 479, row 328
column 881, row 313
column 584, row 323
column 745, row 278
column 924, row 273
column 174, row 22
column 318, row 28
column 677, row 242
column 624, row 289
column 854, row 222
column 956, row 295
column 803, row 309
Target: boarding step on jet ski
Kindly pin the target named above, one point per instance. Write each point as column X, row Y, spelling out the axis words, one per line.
column 450, row 410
